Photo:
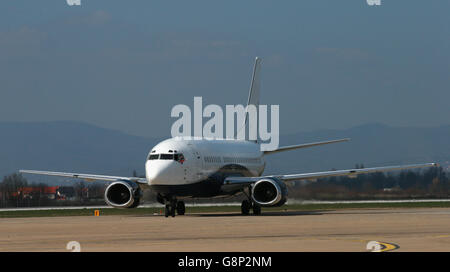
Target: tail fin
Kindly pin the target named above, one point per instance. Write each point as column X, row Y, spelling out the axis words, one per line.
column 253, row 96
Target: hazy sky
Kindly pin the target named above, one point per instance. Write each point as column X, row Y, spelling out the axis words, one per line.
column 124, row 64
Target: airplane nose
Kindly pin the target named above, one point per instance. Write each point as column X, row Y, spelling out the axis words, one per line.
column 165, row 172
column 152, row 174
column 159, row 173
column 155, row 174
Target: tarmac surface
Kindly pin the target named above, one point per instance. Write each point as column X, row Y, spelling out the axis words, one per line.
column 400, row 229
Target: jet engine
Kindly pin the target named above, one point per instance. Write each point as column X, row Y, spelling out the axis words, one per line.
column 123, row 194
column 269, row 192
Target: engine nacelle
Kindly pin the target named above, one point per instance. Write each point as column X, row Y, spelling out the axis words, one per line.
column 269, row 192
column 123, row 194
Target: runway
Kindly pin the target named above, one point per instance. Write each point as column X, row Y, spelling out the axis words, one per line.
column 409, row 229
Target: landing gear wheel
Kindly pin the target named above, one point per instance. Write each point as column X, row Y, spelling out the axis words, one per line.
column 256, row 209
column 245, row 207
column 173, row 207
column 181, row 208
column 167, row 210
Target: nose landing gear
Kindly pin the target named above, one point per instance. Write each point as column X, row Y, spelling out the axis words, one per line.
column 172, row 206
column 181, row 208
column 169, row 210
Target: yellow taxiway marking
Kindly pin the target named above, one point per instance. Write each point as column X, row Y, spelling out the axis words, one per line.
column 384, row 246
column 387, row 246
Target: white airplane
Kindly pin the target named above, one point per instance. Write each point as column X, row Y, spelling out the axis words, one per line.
column 185, row 167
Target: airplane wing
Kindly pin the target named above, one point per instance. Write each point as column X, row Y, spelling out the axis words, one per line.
column 351, row 172
column 86, row 177
column 317, row 175
column 292, row 147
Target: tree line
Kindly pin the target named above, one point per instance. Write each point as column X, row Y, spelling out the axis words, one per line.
column 16, row 191
column 432, row 182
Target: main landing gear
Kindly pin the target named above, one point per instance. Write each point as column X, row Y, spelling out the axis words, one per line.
column 172, row 206
column 249, row 204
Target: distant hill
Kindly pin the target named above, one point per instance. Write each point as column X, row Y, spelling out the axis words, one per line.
column 80, row 147
column 370, row 144
column 70, row 146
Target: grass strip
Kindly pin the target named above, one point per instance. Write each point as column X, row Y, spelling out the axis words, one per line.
column 218, row 209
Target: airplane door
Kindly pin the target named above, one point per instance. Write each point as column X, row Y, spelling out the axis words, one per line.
column 194, row 171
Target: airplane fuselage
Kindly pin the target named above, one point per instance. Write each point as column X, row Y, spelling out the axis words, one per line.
column 190, row 167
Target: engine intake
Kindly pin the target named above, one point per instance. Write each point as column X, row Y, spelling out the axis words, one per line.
column 123, row 194
column 269, row 192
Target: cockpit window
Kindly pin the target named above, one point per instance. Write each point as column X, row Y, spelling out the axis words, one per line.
column 179, row 158
column 166, row 157
column 176, row 157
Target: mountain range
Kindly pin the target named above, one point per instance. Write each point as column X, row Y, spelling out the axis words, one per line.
column 80, row 147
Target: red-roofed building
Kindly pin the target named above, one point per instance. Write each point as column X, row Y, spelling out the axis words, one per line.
column 28, row 192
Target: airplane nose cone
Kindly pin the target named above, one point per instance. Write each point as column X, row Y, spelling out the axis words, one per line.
column 152, row 174
column 155, row 174
column 162, row 172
